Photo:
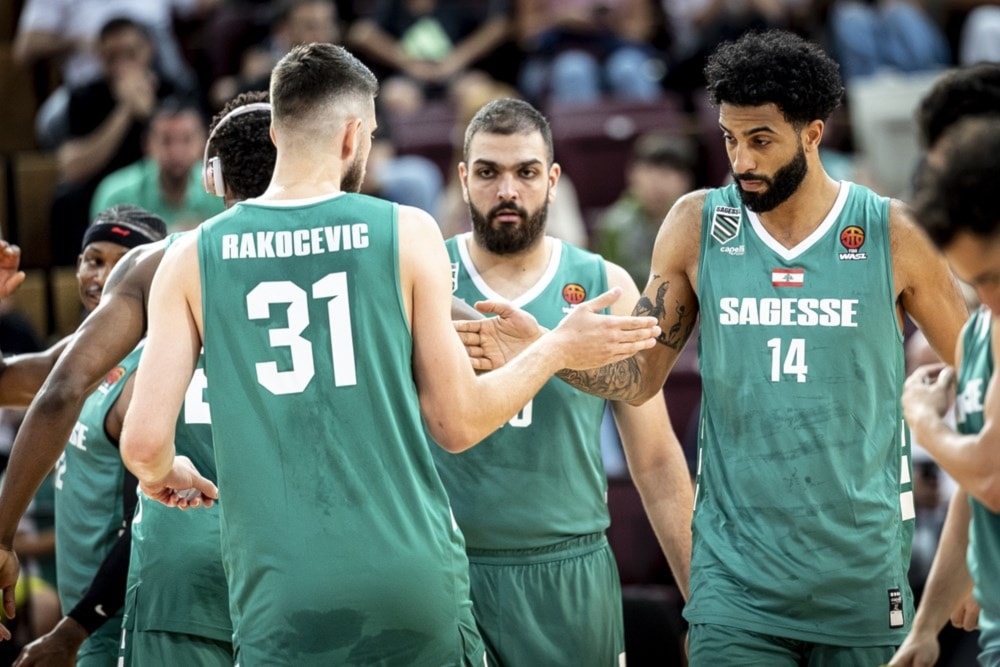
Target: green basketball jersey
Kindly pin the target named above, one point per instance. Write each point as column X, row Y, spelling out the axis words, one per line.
column 804, row 504
column 984, row 529
column 336, row 531
column 176, row 558
column 89, row 494
column 538, row 480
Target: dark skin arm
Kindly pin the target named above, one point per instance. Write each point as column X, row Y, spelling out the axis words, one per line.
column 107, row 591
column 91, row 354
column 22, row 375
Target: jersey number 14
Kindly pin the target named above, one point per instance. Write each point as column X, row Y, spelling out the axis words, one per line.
column 794, row 362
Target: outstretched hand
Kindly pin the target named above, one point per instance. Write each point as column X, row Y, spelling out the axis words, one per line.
column 594, row 340
column 10, row 277
column 494, row 341
column 183, row 487
column 9, row 570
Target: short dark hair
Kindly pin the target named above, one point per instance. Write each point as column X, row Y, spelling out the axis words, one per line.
column 243, row 145
column 312, row 75
column 119, row 23
column 958, row 191
column 776, row 67
column 507, row 116
column 966, row 91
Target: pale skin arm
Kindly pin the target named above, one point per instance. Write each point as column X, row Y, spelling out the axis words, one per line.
column 461, row 408
column 173, row 344
column 656, row 461
column 89, row 356
column 948, row 584
column 970, row 458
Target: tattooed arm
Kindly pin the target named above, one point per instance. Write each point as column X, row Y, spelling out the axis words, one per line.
column 670, row 297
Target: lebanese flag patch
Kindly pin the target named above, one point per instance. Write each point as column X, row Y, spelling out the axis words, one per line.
column 788, row 277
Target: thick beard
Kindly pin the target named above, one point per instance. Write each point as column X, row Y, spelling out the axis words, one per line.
column 780, row 187
column 353, row 177
column 508, row 239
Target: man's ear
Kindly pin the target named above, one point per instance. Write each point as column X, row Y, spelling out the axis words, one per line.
column 463, row 177
column 351, row 139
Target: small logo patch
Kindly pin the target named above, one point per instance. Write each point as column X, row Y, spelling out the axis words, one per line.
column 725, row 224
column 574, row 293
column 454, row 277
column 852, row 238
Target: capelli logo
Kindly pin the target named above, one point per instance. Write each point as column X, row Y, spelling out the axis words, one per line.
column 733, row 250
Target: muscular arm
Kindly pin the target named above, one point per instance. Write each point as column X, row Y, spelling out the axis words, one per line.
column 166, row 366
column 671, row 298
column 22, row 375
column 103, row 340
column 656, row 463
column 926, row 289
column 947, row 584
column 971, row 458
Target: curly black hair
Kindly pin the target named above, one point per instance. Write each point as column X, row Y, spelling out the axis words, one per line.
column 776, row 67
column 243, row 145
column 967, row 91
column 958, row 192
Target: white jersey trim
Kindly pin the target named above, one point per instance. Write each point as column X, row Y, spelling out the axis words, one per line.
column 288, row 203
column 809, row 241
column 527, row 297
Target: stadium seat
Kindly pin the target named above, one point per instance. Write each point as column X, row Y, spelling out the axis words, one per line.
column 31, row 300
column 593, row 142
column 17, row 113
column 651, row 601
column 66, row 308
column 35, row 176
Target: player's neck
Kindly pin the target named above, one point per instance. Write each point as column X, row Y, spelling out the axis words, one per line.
column 303, row 179
column 511, row 275
column 798, row 216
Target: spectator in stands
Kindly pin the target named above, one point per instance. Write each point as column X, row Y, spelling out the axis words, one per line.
column 581, row 49
column 167, row 182
column 68, row 30
column 296, row 22
column 697, row 27
column 980, row 39
column 662, row 169
column 108, row 117
column 869, row 36
column 423, row 45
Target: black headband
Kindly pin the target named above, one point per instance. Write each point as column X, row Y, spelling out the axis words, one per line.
column 120, row 233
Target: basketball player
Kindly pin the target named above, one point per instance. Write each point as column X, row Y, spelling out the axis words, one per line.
column 954, row 207
column 94, row 494
column 171, row 578
column 326, row 335
column 804, row 497
column 530, row 499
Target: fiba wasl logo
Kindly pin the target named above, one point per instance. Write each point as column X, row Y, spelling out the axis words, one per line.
column 852, row 238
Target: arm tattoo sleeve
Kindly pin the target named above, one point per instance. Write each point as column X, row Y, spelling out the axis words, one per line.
column 622, row 380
